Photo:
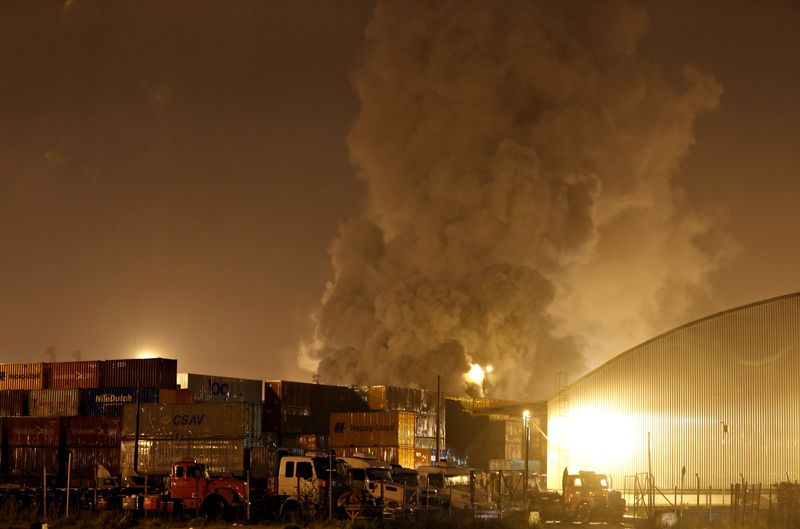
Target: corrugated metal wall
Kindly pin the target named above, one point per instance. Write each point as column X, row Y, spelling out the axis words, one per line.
column 719, row 396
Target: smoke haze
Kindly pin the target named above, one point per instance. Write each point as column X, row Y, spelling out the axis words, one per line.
column 519, row 161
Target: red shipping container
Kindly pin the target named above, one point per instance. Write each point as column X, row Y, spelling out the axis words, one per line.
column 92, row 431
column 144, row 372
column 86, row 459
column 66, row 375
column 13, row 403
column 32, row 431
column 31, row 460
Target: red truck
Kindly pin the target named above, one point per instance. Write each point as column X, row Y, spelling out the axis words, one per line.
column 191, row 489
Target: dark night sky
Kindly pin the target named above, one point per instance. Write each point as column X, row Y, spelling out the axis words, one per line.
column 172, row 174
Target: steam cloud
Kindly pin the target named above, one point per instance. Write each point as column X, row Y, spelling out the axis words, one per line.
column 518, row 158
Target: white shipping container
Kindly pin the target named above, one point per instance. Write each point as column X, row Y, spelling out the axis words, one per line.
column 212, row 388
column 156, row 456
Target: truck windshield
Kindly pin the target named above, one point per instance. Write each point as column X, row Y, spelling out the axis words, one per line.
column 321, row 467
column 379, row 474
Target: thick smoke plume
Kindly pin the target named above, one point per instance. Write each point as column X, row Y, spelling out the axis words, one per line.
column 519, row 159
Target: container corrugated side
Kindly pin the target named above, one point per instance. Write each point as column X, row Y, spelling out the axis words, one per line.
column 197, row 420
column 54, row 402
column 156, row 456
column 263, row 462
column 23, row 376
column 302, row 408
column 31, row 460
column 145, row 372
column 87, row 431
column 32, row 431
column 423, row 457
column 13, row 403
column 376, row 428
column 425, row 425
column 399, row 455
column 394, row 398
column 211, row 388
column 109, row 401
column 85, row 460
column 67, row 375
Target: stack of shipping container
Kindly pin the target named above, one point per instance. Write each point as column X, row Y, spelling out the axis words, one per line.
column 140, row 416
column 423, row 404
column 219, row 434
column 61, row 411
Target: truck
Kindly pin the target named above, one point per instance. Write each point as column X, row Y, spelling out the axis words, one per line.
column 456, row 489
column 190, row 488
column 362, row 472
column 588, row 496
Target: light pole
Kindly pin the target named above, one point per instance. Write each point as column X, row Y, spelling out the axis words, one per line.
column 526, row 423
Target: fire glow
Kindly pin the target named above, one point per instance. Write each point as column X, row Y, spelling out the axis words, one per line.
column 477, row 374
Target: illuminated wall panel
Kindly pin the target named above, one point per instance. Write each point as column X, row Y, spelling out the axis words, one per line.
column 720, row 396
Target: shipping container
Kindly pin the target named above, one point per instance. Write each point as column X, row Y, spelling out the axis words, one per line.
column 144, row 372
column 68, row 375
column 85, row 460
column 398, row 455
column 425, row 425
column 175, row 396
column 91, row 431
column 199, row 420
column 372, row 428
column 32, row 431
column 212, row 388
column 54, row 402
column 263, row 462
column 13, row 403
column 30, row 461
column 23, row 376
column 109, row 401
column 156, row 456
column 301, row 408
column 423, row 457
column 393, row 398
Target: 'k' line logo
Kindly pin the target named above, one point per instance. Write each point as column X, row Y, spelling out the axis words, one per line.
column 339, row 427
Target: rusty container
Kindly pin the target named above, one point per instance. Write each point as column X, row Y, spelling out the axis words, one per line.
column 144, row 372
column 199, row 420
column 85, row 460
column 32, row 431
column 29, row 461
column 54, row 402
column 13, row 403
column 91, row 431
column 67, row 375
column 23, row 376
column 372, row 428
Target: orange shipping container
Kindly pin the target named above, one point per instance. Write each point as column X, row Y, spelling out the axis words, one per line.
column 22, row 376
column 372, row 428
column 67, row 375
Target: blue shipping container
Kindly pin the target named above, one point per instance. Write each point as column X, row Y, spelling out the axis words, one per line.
column 110, row 401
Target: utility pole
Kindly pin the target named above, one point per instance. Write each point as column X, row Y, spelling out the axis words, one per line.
column 526, row 422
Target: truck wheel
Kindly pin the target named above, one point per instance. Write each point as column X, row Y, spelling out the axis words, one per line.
column 213, row 508
column 583, row 513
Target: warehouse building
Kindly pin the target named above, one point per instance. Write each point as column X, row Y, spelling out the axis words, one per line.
column 718, row 399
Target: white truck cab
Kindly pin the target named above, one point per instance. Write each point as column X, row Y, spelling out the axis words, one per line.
column 374, row 476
